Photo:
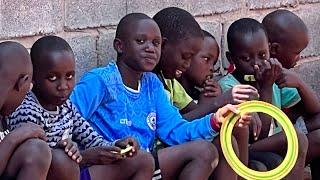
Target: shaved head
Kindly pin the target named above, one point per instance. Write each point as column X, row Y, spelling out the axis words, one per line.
column 15, row 75
column 126, row 23
column 14, row 60
column 288, row 36
column 283, row 25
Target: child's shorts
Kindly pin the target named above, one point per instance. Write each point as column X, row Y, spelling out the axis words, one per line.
column 84, row 173
column 157, row 172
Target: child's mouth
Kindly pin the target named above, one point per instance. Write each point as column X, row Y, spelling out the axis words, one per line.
column 178, row 73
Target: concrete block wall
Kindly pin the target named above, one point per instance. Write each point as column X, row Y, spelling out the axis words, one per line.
column 89, row 25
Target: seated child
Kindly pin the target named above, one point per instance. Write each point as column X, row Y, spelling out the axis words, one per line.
column 249, row 52
column 125, row 98
column 288, row 36
column 200, row 73
column 48, row 105
column 22, row 149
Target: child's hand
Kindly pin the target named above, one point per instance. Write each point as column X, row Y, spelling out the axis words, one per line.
column 244, row 120
column 288, row 79
column 255, row 125
column 268, row 72
column 27, row 131
column 211, row 88
column 123, row 143
column 71, row 149
column 241, row 93
column 101, row 155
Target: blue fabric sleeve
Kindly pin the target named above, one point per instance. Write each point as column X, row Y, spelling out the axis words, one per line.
column 289, row 97
column 173, row 129
column 88, row 94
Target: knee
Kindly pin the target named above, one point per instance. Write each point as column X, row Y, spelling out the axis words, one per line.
column 63, row 166
column 206, row 151
column 257, row 165
column 36, row 154
column 145, row 161
column 303, row 142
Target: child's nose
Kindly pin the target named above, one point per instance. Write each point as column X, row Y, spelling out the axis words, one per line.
column 150, row 47
column 63, row 85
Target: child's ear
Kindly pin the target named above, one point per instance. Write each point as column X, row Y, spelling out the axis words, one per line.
column 118, row 45
column 21, row 82
column 274, row 48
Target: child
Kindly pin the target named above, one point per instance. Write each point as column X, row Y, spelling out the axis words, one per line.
column 249, row 52
column 200, row 72
column 24, row 153
column 48, row 106
column 288, row 36
column 126, row 98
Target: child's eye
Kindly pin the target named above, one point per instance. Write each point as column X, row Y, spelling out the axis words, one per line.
column 52, row 78
column 156, row 43
column 70, row 76
column 244, row 58
column 140, row 41
column 263, row 55
column 206, row 58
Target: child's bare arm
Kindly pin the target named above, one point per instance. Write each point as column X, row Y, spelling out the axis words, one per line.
column 236, row 95
column 310, row 103
column 15, row 138
column 266, row 75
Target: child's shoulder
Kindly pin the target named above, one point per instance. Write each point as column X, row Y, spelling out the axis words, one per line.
column 108, row 74
column 227, row 82
column 29, row 106
column 151, row 79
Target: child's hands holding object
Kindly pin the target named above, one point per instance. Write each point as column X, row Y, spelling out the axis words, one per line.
column 211, row 88
column 70, row 147
column 244, row 120
column 129, row 146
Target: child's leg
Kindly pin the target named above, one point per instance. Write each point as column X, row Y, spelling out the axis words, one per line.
column 63, row 167
column 31, row 160
column 242, row 137
column 223, row 170
column 139, row 167
column 269, row 159
column 191, row 160
column 277, row 144
column 313, row 155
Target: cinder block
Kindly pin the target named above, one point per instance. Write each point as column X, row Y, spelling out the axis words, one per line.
column 28, row 17
column 310, row 15
column 84, row 48
column 308, row 1
column 309, row 72
column 195, row 7
column 266, row 4
column 93, row 13
column 105, row 47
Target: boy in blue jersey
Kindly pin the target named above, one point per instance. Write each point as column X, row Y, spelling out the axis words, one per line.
column 288, row 36
column 125, row 98
column 249, row 52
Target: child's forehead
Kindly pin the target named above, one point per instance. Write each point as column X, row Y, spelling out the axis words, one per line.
column 142, row 26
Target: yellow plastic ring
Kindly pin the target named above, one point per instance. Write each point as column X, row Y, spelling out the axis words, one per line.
column 292, row 142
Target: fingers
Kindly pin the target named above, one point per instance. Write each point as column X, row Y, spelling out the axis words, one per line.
column 224, row 111
column 245, row 120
